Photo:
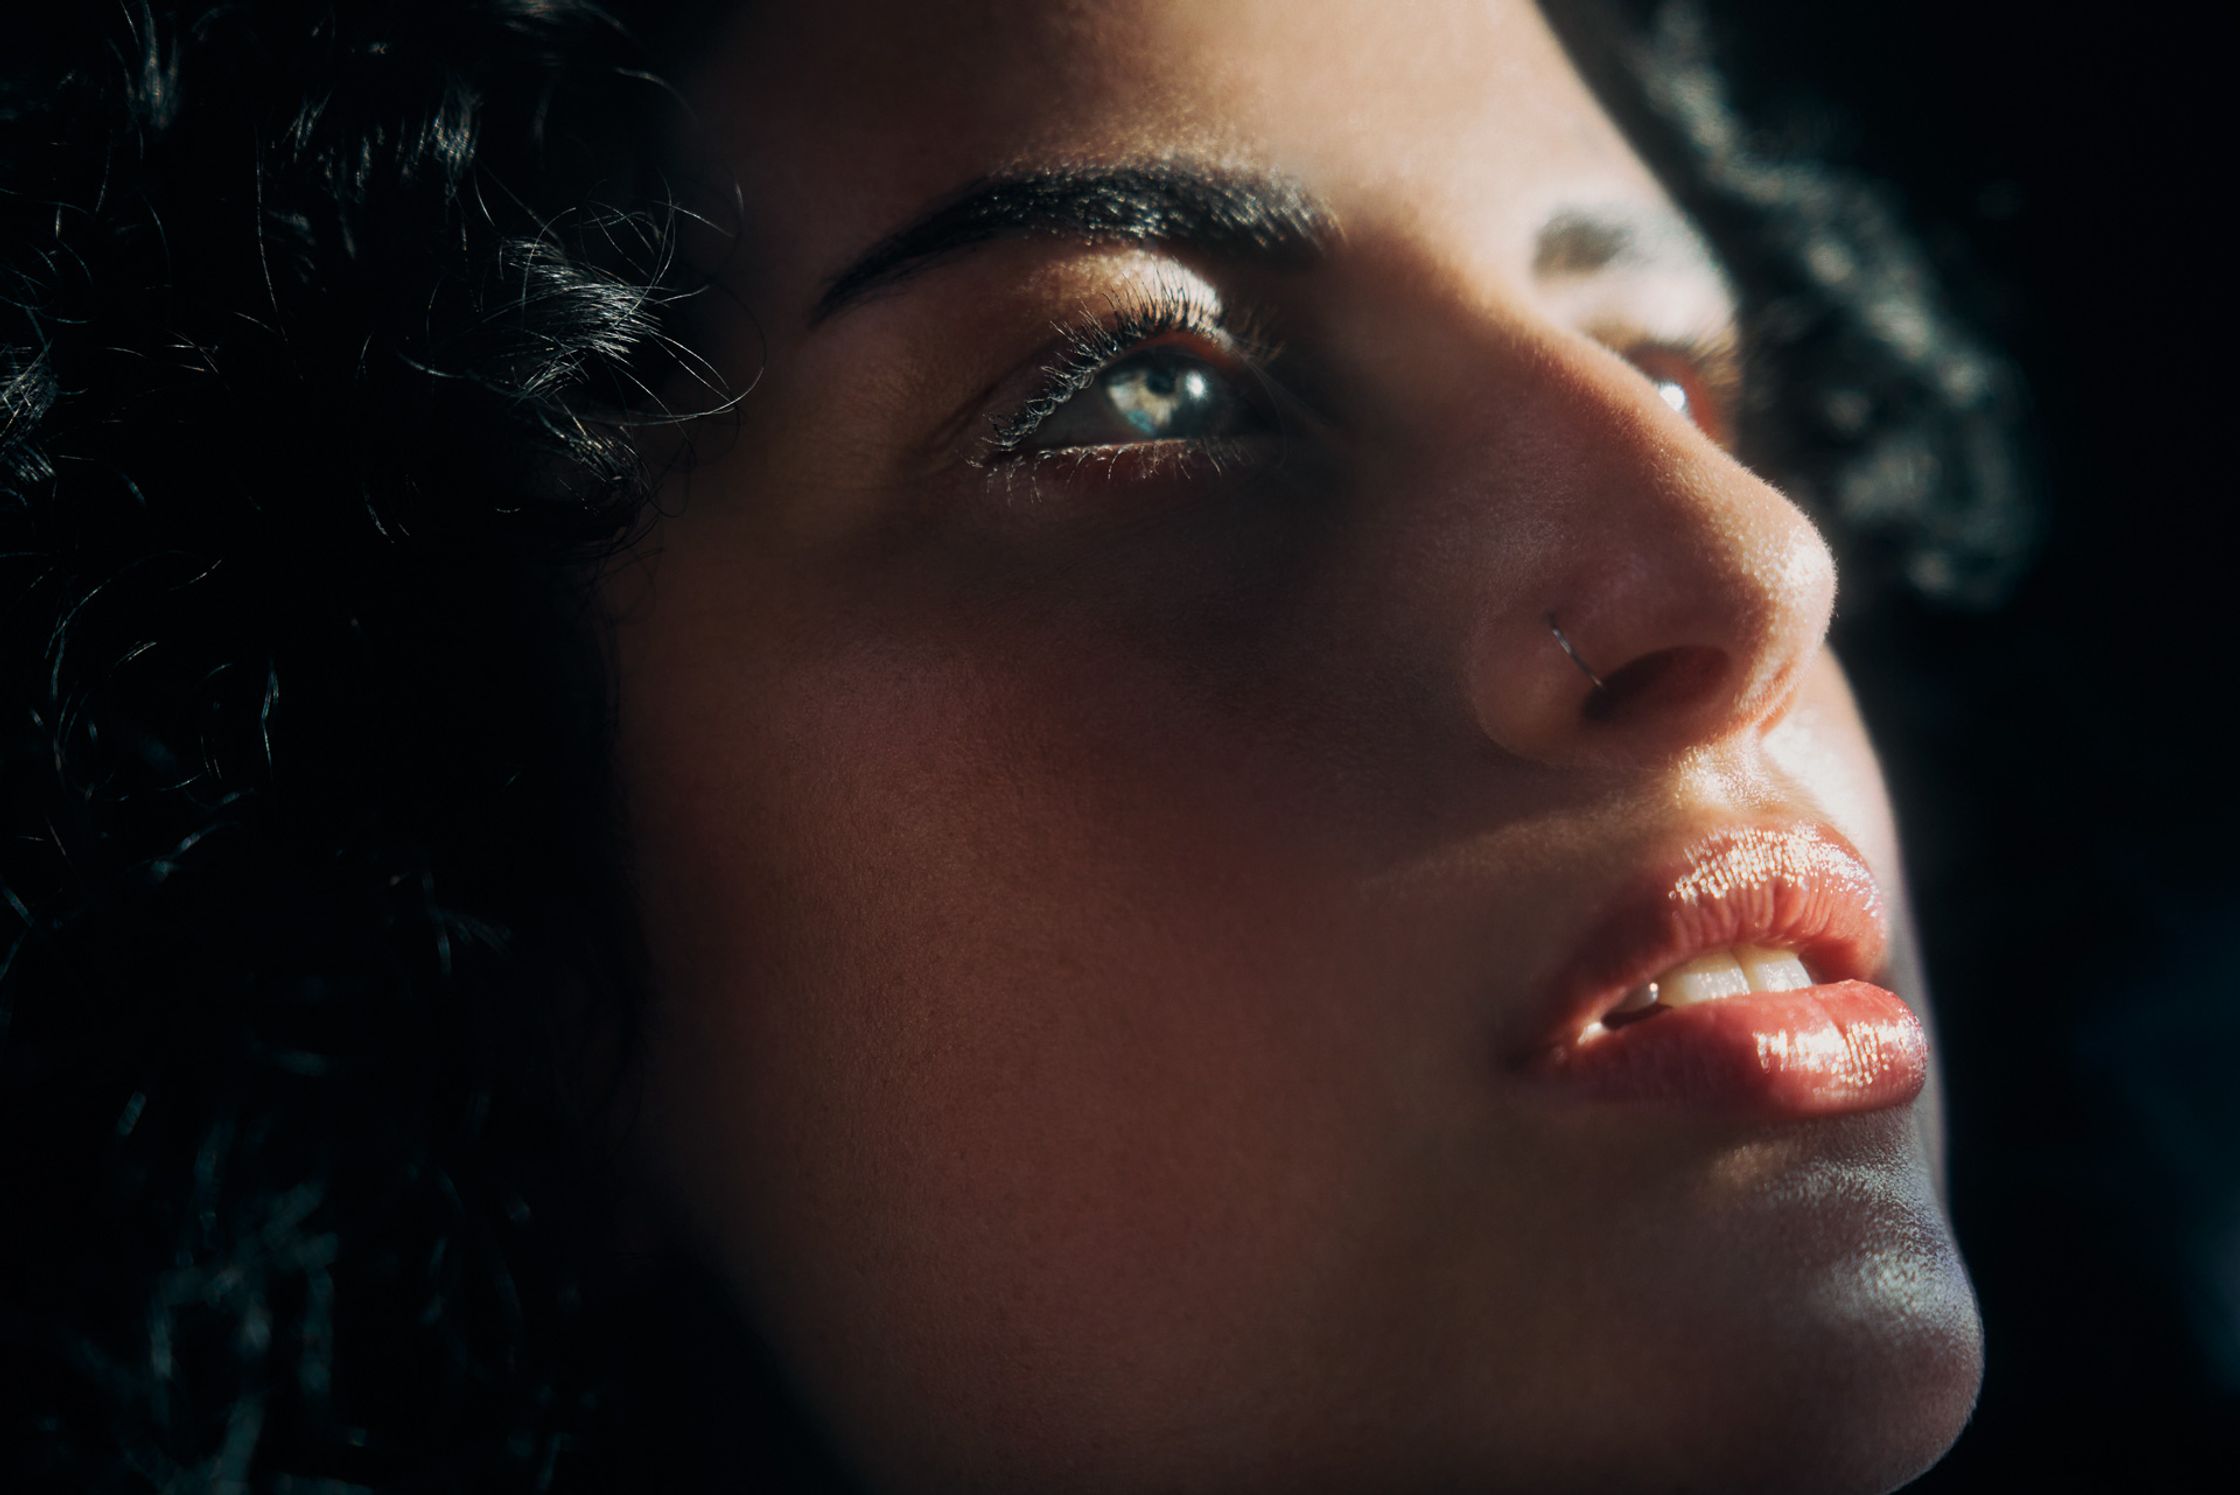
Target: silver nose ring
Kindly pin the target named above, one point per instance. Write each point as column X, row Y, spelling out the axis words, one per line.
column 1584, row 668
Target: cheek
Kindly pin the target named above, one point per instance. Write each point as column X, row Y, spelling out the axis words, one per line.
column 993, row 1034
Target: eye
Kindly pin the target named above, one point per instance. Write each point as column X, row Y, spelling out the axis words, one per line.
column 1700, row 384
column 1163, row 393
column 1169, row 367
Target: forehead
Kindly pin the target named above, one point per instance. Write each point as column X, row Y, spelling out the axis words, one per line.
column 1459, row 123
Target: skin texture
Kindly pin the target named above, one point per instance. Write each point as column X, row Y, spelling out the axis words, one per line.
column 1089, row 898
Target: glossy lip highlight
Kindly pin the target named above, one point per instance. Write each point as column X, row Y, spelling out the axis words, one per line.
column 1802, row 887
column 1841, row 1046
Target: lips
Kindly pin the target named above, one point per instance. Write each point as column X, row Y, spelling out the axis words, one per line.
column 1838, row 1045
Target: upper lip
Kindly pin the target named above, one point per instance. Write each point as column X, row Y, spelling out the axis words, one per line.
column 1801, row 887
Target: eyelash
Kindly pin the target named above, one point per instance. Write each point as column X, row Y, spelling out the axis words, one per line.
column 1090, row 345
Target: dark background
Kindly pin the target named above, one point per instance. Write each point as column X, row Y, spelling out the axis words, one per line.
column 2061, row 764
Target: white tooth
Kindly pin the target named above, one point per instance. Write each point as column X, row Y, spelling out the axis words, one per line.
column 1773, row 970
column 1640, row 997
column 1704, row 979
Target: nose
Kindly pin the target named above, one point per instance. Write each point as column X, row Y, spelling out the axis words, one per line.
column 1670, row 598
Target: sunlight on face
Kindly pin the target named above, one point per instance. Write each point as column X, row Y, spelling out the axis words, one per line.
column 1230, row 574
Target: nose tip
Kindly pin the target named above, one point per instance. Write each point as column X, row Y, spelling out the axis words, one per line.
column 1685, row 645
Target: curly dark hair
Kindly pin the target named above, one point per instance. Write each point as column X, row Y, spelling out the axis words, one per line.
column 325, row 331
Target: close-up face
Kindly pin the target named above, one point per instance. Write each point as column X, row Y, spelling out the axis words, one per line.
column 1168, row 738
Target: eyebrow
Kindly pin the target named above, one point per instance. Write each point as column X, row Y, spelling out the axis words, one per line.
column 1581, row 241
column 1245, row 214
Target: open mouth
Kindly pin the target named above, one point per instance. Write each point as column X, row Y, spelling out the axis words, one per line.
column 1713, row 976
column 1738, row 978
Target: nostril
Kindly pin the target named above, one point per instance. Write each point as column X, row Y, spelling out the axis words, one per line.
column 1658, row 682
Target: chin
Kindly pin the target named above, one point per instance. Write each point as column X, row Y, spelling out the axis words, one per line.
column 1859, row 1395
column 1808, row 1327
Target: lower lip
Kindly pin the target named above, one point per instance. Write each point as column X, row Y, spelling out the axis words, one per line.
column 1830, row 1050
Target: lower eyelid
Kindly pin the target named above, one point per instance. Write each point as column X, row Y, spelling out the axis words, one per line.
column 1144, row 463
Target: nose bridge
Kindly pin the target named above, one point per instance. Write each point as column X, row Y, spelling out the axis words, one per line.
column 1667, row 597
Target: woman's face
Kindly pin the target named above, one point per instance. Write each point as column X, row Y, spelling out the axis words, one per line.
column 1133, row 855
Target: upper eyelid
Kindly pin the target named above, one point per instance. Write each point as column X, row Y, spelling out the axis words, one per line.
column 1059, row 383
column 1720, row 358
column 1719, row 350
